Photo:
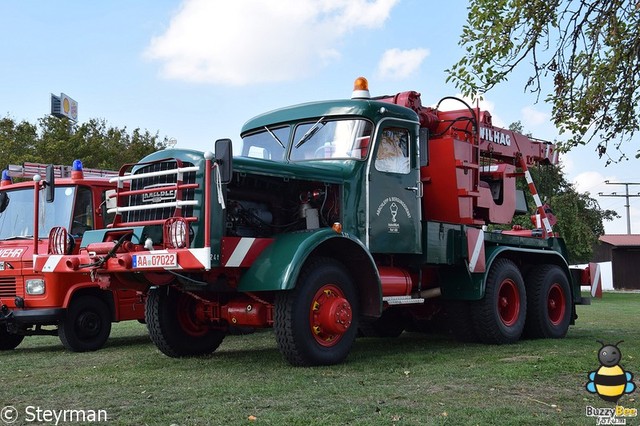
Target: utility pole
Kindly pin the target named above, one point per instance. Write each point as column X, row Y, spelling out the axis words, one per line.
column 626, row 196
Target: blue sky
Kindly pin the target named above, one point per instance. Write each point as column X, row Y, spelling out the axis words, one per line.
column 196, row 70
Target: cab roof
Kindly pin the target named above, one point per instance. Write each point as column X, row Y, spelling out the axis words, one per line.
column 367, row 108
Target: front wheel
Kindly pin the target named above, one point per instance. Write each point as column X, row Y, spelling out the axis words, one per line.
column 316, row 322
column 86, row 326
column 549, row 309
column 500, row 316
column 173, row 326
column 8, row 340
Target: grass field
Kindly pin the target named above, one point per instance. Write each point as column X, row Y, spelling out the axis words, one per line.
column 415, row 379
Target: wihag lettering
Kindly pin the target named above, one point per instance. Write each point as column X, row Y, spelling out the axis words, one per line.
column 495, row 136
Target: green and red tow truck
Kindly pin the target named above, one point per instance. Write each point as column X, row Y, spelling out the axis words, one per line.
column 336, row 217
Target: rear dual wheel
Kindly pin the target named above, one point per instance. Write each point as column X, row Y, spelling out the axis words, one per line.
column 549, row 303
column 316, row 322
column 500, row 316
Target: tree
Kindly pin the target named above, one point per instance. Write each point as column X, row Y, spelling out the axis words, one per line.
column 16, row 140
column 580, row 218
column 96, row 143
column 584, row 57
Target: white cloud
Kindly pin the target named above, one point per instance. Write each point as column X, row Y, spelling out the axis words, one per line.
column 592, row 182
column 250, row 41
column 532, row 117
column 399, row 64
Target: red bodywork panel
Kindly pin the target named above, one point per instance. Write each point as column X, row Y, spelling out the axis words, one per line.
column 18, row 266
column 470, row 178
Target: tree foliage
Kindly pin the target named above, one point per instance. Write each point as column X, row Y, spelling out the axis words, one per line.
column 584, row 57
column 96, row 143
column 580, row 218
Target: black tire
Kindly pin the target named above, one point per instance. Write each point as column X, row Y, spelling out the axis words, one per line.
column 458, row 321
column 173, row 328
column 324, row 284
column 8, row 340
column 500, row 316
column 549, row 304
column 86, row 325
column 391, row 323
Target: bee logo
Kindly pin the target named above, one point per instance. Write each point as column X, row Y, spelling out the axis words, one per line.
column 610, row 381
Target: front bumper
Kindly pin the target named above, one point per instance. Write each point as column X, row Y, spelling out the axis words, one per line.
column 26, row 317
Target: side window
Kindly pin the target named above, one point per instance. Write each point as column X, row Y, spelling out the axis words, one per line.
column 82, row 212
column 393, row 151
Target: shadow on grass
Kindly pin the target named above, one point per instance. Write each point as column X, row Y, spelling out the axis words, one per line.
column 56, row 346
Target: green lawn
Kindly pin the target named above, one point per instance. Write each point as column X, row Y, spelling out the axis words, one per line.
column 414, row 379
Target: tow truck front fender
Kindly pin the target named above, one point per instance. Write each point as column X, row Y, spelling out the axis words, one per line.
column 279, row 265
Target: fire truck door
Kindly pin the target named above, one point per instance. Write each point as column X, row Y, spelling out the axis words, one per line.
column 394, row 191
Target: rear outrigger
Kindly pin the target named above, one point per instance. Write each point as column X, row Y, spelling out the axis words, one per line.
column 362, row 214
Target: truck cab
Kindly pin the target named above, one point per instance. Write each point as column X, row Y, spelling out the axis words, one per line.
column 75, row 309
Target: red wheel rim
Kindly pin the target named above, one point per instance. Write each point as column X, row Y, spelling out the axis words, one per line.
column 187, row 317
column 508, row 302
column 556, row 304
column 330, row 315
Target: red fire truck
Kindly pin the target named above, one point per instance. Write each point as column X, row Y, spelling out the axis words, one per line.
column 73, row 307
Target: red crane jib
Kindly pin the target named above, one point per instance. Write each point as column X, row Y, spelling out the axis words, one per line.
column 470, row 178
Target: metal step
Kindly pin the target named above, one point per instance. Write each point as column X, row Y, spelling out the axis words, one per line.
column 402, row 300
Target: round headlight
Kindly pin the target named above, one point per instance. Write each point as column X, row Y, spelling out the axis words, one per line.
column 60, row 242
column 178, row 232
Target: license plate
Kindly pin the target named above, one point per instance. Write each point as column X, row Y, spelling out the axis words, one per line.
column 155, row 260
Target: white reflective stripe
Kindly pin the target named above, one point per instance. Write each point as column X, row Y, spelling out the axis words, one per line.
column 240, row 252
column 51, row 263
column 202, row 255
column 476, row 251
column 528, row 177
column 153, row 174
column 595, row 281
column 547, row 225
column 153, row 206
column 554, row 159
column 536, row 198
column 538, row 222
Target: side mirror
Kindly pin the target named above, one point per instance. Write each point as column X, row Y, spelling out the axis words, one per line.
column 223, row 155
column 423, row 146
column 50, row 186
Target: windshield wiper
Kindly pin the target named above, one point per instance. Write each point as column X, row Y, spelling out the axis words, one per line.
column 309, row 134
column 274, row 136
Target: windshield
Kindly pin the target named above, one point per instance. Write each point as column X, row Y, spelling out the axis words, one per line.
column 331, row 139
column 269, row 144
column 316, row 140
column 16, row 221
